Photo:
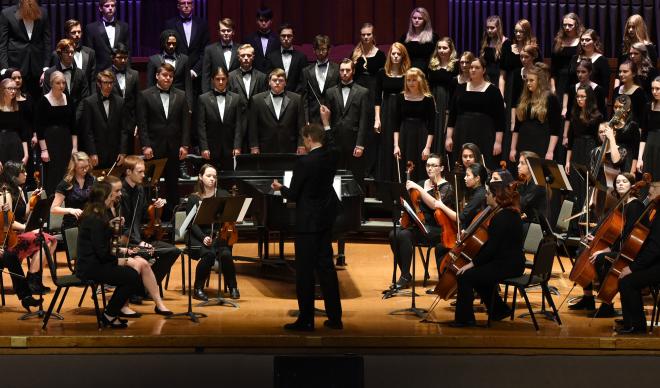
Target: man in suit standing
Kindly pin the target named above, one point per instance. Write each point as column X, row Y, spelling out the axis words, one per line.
column 126, row 82
column 77, row 87
column 164, row 127
column 169, row 45
column 316, row 209
column 246, row 80
column 25, row 42
column 104, row 35
column 194, row 34
column 317, row 79
column 223, row 53
column 84, row 57
column 221, row 122
column 263, row 40
column 103, row 124
column 292, row 61
column 275, row 118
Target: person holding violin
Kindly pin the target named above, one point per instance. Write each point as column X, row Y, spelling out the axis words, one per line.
column 499, row 258
column 74, row 190
column 27, row 244
column 632, row 210
column 210, row 246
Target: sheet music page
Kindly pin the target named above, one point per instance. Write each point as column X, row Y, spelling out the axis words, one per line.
column 288, row 175
column 336, row 184
column 244, row 209
column 411, row 213
column 187, row 221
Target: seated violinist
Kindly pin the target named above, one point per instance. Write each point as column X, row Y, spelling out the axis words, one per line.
column 500, row 257
column 643, row 272
column 632, row 209
column 408, row 235
column 211, row 248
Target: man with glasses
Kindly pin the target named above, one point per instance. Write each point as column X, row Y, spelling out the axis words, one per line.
column 83, row 56
column 76, row 84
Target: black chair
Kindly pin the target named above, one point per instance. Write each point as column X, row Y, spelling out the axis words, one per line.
column 179, row 217
column 655, row 314
column 68, row 281
column 539, row 276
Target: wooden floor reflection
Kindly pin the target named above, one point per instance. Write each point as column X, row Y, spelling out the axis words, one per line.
column 267, row 302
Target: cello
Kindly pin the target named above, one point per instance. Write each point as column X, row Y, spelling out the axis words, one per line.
column 449, row 228
column 415, row 197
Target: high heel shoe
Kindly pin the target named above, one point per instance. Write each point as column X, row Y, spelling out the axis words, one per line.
column 114, row 323
column 162, row 312
column 29, row 301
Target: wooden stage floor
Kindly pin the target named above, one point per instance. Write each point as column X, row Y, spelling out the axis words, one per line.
column 267, row 303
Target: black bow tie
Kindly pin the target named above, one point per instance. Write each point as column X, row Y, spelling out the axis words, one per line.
column 69, row 69
column 347, row 85
column 244, row 72
column 186, row 19
column 169, row 56
column 324, row 64
column 117, row 71
column 104, row 98
column 164, row 91
column 281, row 95
column 217, row 93
column 226, row 46
column 263, row 34
column 287, row 51
column 112, row 23
column 78, row 48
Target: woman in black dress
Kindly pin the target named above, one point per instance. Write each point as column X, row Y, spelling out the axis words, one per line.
column 491, row 47
column 389, row 84
column 442, row 69
column 591, row 48
column 649, row 147
column 73, row 190
column 211, row 248
column 519, row 77
column 368, row 61
column 13, row 134
column 635, row 31
column 582, row 128
column 632, row 89
column 511, row 50
column 537, row 117
column 463, row 75
column 583, row 73
column 628, row 129
column 475, row 201
column 476, row 116
column 55, row 118
column 420, row 39
column 564, row 48
column 413, row 122
column 646, row 71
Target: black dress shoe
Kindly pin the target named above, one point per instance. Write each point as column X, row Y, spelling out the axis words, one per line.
column 630, row 330
column 619, row 322
column 199, row 294
column 114, row 323
column 463, row 324
column 162, row 312
column 604, row 311
column 333, row 324
column 403, row 282
column 299, row 326
column 586, row 303
column 234, row 294
column 498, row 316
column 134, row 315
column 29, row 301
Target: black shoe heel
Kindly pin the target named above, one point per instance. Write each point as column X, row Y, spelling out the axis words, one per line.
column 114, row 323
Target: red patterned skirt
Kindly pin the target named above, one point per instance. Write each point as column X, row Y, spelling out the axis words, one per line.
column 28, row 244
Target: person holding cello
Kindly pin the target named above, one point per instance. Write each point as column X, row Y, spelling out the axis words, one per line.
column 499, row 258
column 211, row 247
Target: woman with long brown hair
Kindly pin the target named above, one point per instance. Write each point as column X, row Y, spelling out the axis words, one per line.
column 511, row 50
column 591, row 49
column 635, row 31
column 443, row 67
column 649, row 146
column 646, row 70
column 491, row 47
column 15, row 137
column 564, row 47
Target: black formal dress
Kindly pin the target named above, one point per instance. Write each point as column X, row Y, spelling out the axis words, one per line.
column 182, row 79
column 13, row 134
column 214, row 57
column 247, row 83
column 366, row 69
column 628, row 137
column 534, row 135
column 442, row 86
column 256, row 39
column 294, row 80
column 387, row 91
column 55, row 124
column 638, row 102
column 419, row 53
column 493, row 62
column 600, row 73
column 106, row 134
column 501, row 257
column 651, row 136
column 560, row 63
column 75, row 197
column 599, row 93
column 316, row 80
column 316, row 208
column 77, row 90
column 270, row 133
column 414, row 121
column 97, row 39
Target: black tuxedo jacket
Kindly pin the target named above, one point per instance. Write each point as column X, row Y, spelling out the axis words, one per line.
column 310, row 88
column 351, row 119
column 130, row 93
column 79, row 87
column 17, row 50
column 182, row 78
column 97, row 39
column 214, row 57
column 270, row 134
column 311, row 189
column 88, row 65
column 199, row 38
column 294, row 81
column 163, row 135
column 258, row 83
column 105, row 135
column 220, row 136
column 260, row 62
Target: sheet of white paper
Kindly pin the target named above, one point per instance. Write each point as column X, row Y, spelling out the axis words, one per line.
column 187, row 221
column 336, row 184
column 412, row 214
column 288, row 175
column 244, row 209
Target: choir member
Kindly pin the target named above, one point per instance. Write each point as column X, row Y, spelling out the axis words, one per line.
column 211, row 246
column 633, row 107
column 317, row 78
column 247, row 80
column 15, row 136
column 583, row 73
column 73, row 191
column 103, row 123
column 420, row 39
column 477, row 116
column 83, row 56
column 414, row 118
column 591, row 48
column 264, row 40
column 169, row 46
column 389, row 85
column 221, row 122
column 491, row 47
column 127, row 82
column 443, row 67
column 104, row 35
column 288, row 58
column 635, row 31
column 519, row 77
column 511, row 49
column 77, row 86
column 222, row 53
column 564, row 47
column 26, row 108
column 629, row 86
column 646, row 70
column 275, row 118
column 464, row 63
column 649, row 148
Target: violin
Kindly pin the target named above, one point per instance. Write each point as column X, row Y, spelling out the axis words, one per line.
column 153, row 229
column 228, row 231
column 415, row 197
column 449, row 228
column 35, row 194
column 7, row 233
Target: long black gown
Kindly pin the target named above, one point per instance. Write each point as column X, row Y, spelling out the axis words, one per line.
column 366, row 76
column 560, row 68
column 414, row 121
column 387, row 89
column 442, row 86
column 534, row 135
column 12, row 134
column 600, row 73
column 492, row 64
column 651, row 136
column 419, row 53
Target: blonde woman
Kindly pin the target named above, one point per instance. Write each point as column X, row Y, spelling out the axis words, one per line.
column 74, row 190
column 420, row 39
column 635, row 31
column 443, row 67
column 14, row 138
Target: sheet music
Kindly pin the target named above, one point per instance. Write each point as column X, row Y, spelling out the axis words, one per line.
column 336, row 184
column 244, row 209
column 411, row 213
column 187, row 221
column 288, row 176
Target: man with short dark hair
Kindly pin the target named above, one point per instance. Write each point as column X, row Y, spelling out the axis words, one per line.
column 223, row 53
column 317, row 78
column 291, row 60
column 83, row 57
column 263, row 40
column 169, row 45
column 126, row 81
column 77, row 87
column 104, row 35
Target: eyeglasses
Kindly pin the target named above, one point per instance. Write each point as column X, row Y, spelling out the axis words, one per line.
column 433, row 165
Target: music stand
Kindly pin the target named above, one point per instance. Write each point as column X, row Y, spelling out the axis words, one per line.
column 38, row 217
column 117, row 171
column 154, row 169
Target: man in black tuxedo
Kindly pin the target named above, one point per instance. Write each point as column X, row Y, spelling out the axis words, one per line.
column 349, row 104
column 292, row 61
column 104, row 35
column 25, row 42
column 77, row 87
column 221, row 122
column 220, row 54
column 263, row 40
column 246, row 80
column 317, row 79
column 275, row 118
column 169, row 45
column 84, row 57
column 127, row 82
column 164, row 127
column 194, row 34
column 103, row 124
column 316, row 208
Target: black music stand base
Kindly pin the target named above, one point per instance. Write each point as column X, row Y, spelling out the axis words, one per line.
column 190, row 314
column 219, row 300
column 419, row 312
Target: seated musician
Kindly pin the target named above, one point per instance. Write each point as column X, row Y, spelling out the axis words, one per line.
column 139, row 264
column 501, row 257
column 205, row 245
column 613, row 159
column 406, row 238
column 73, row 190
column 533, row 202
column 9, row 260
column 28, row 246
column 134, row 205
column 633, row 208
column 475, row 177
column 643, row 272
